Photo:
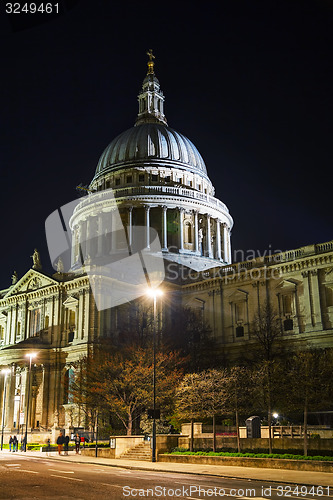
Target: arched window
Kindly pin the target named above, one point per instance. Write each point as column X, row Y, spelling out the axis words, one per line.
column 68, row 386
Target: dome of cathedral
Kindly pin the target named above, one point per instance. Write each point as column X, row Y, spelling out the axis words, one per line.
column 153, row 142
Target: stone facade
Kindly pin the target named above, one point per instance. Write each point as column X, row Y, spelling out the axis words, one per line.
column 159, row 181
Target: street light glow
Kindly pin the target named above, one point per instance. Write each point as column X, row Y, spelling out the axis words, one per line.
column 31, row 355
column 275, row 415
column 154, row 292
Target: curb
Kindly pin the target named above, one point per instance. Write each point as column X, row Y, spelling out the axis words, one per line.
column 199, row 473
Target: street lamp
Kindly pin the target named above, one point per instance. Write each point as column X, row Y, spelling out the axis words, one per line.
column 6, row 372
column 154, row 293
column 30, row 355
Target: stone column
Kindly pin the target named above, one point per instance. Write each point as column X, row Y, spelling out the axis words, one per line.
column 82, row 240
column 74, row 246
column 10, row 393
column 45, row 398
column 311, row 292
column 113, row 245
column 196, row 232
column 209, row 243
column 181, row 229
column 100, row 235
column 78, row 253
column 228, row 246
column 218, row 240
column 165, row 229
column 225, row 243
column 130, row 226
column 11, row 381
column 147, row 210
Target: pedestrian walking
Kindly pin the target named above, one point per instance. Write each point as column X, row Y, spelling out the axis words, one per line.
column 77, row 441
column 23, row 443
column 66, row 441
column 15, row 444
column 10, row 443
column 60, row 442
column 48, row 449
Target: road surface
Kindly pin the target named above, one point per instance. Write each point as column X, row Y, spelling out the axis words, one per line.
column 25, row 477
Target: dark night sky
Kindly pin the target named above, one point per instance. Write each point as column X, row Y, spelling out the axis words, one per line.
column 249, row 82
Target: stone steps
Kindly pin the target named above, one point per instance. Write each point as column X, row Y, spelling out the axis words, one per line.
column 141, row 451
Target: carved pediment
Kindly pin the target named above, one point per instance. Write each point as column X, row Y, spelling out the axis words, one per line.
column 71, row 303
column 287, row 285
column 32, row 280
column 238, row 296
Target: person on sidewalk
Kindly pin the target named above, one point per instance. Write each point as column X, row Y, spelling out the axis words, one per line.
column 10, row 443
column 60, row 442
column 15, row 443
column 66, row 441
column 23, row 443
column 77, row 441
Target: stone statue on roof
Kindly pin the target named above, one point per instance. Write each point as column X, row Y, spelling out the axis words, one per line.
column 14, row 278
column 60, row 266
column 36, row 260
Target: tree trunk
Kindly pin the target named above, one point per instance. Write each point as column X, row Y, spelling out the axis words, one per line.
column 269, row 412
column 192, row 437
column 129, row 425
column 214, row 433
column 237, row 432
column 305, row 437
column 269, row 429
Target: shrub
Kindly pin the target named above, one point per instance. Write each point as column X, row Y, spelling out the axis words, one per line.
column 284, row 456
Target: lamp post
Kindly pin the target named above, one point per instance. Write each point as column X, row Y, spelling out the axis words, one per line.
column 154, row 293
column 30, row 355
column 6, row 372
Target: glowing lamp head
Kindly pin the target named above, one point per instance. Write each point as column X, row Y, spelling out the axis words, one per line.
column 154, row 292
column 31, row 355
column 275, row 415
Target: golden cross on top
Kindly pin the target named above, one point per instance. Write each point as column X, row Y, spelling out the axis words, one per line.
column 150, row 55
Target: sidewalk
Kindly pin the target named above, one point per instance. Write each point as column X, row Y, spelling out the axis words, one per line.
column 256, row 474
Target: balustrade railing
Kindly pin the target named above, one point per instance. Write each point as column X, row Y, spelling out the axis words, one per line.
column 146, row 190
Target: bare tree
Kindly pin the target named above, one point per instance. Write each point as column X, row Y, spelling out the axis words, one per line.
column 266, row 329
column 188, row 402
column 239, row 384
column 311, row 386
